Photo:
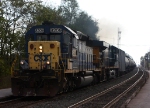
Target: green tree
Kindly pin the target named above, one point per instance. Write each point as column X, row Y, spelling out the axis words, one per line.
column 45, row 13
column 77, row 19
column 69, row 10
column 15, row 16
column 86, row 24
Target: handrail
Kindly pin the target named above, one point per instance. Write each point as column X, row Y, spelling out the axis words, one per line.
column 13, row 64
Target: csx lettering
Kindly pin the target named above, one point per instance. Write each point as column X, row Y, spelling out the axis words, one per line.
column 56, row 30
column 41, row 57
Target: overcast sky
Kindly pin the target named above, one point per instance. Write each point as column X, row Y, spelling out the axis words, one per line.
column 132, row 17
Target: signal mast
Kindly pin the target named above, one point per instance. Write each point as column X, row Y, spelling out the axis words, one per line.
column 119, row 36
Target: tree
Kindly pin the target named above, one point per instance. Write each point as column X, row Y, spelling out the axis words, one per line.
column 50, row 14
column 86, row 24
column 69, row 10
column 15, row 16
column 77, row 19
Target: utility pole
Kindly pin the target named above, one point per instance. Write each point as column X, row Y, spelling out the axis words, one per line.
column 119, row 36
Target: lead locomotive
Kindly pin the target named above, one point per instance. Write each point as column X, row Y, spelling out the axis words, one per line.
column 58, row 59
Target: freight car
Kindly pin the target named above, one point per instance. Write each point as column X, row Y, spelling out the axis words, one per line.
column 59, row 59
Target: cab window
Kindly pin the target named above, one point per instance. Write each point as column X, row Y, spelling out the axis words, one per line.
column 55, row 37
column 41, row 37
column 66, row 36
column 74, row 42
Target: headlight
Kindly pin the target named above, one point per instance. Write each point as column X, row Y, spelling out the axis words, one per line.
column 21, row 62
column 40, row 49
column 48, row 62
column 24, row 64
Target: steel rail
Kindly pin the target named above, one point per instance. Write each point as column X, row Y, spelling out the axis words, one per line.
column 7, row 101
column 23, row 104
column 112, row 102
column 101, row 93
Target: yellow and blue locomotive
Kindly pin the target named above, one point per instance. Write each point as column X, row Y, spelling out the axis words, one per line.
column 59, row 59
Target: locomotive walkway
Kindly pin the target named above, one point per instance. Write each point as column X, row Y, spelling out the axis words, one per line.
column 142, row 99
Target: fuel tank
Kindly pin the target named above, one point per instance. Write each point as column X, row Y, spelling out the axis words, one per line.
column 83, row 81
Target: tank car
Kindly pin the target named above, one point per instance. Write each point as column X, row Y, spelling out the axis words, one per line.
column 59, row 59
column 130, row 63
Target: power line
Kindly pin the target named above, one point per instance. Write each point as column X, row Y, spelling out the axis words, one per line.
column 134, row 45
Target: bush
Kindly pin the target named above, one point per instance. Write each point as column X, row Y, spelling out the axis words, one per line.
column 5, row 78
column 4, row 69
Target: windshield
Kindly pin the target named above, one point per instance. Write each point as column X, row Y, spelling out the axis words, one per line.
column 66, row 36
column 42, row 38
column 55, row 37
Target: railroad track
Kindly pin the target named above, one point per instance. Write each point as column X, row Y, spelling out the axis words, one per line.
column 9, row 99
column 109, row 97
column 67, row 99
column 21, row 102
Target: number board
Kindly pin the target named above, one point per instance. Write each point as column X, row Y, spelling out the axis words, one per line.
column 39, row 30
column 55, row 30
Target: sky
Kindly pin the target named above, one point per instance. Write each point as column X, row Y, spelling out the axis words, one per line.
column 130, row 16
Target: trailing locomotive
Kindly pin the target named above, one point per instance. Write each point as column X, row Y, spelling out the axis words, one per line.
column 59, row 59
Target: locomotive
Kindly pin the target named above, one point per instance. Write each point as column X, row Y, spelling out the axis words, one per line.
column 59, row 59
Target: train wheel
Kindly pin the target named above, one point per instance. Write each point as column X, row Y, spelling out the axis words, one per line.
column 71, row 85
column 65, row 85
